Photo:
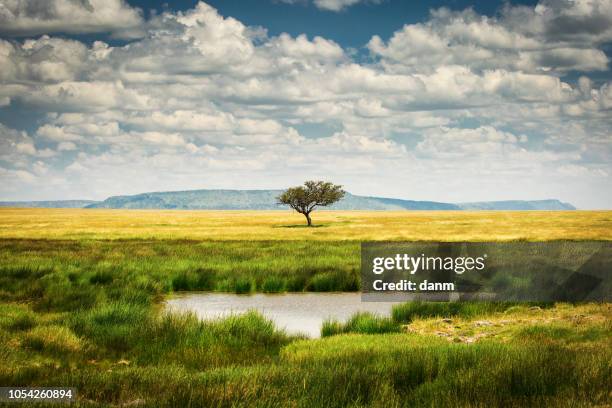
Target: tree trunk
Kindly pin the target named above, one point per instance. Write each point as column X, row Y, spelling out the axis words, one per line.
column 307, row 215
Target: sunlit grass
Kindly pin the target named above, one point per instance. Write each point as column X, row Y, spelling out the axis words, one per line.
column 275, row 225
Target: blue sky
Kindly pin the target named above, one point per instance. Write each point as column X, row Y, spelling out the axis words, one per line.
column 351, row 27
column 450, row 101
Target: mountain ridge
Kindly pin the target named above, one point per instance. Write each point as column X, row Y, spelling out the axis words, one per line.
column 228, row 199
column 48, row 204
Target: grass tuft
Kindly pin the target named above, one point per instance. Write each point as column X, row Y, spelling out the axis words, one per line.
column 54, row 339
column 273, row 284
column 363, row 323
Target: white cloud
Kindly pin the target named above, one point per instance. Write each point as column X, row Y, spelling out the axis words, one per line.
column 339, row 5
column 481, row 42
column 66, row 146
column 15, row 144
column 202, row 100
column 88, row 96
column 162, row 139
column 577, row 21
column 32, row 17
column 331, row 5
column 444, row 143
column 19, row 154
column 301, row 49
column 362, row 144
column 45, row 60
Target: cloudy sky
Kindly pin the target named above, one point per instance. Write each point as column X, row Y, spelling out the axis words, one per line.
column 448, row 101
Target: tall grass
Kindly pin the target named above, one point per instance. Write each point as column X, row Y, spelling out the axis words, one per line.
column 395, row 370
column 274, row 284
column 364, row 323
column 70, row 275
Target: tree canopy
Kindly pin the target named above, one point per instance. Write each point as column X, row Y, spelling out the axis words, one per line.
column 304, row 199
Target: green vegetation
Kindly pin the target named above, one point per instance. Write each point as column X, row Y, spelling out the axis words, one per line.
column 406, row 312
column 119, row 354
column 304, row 199
column 363, row 323
column 87, row 313
column 73, row 274
column 273, row 284
column 407, row 370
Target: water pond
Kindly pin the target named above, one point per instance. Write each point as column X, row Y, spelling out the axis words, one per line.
column 294, row 312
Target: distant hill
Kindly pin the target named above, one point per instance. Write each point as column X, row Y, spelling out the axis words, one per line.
column 266, row 200
column 518, row 205
column 195, row 199
column 48, row 204
column 254, row 200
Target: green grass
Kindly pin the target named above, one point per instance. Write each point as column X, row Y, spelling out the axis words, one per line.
column 406, row 370
column 274, row 284
column 87, row 314
column 406, row 312
column 364, row 323
column 178, row 361
column 70, row 274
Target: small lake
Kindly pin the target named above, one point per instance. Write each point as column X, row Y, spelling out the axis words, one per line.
column 294, row 312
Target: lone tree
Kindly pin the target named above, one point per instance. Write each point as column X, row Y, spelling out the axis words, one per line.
column 304, row 199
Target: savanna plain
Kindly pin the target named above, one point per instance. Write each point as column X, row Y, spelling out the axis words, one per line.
column 82, row 305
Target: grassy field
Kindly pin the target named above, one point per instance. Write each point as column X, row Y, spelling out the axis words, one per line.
column 80, row 297
column 285, row 225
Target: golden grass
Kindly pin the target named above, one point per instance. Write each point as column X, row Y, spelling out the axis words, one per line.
column 508, row 326
column 285, row 225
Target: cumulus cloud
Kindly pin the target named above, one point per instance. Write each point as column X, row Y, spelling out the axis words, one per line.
column 19, row 154
column 87, row 96
column 44, row 60
column 32, row 17
column 202, row 96
column 482, row 42
column 447, row 142
column 577, row 21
